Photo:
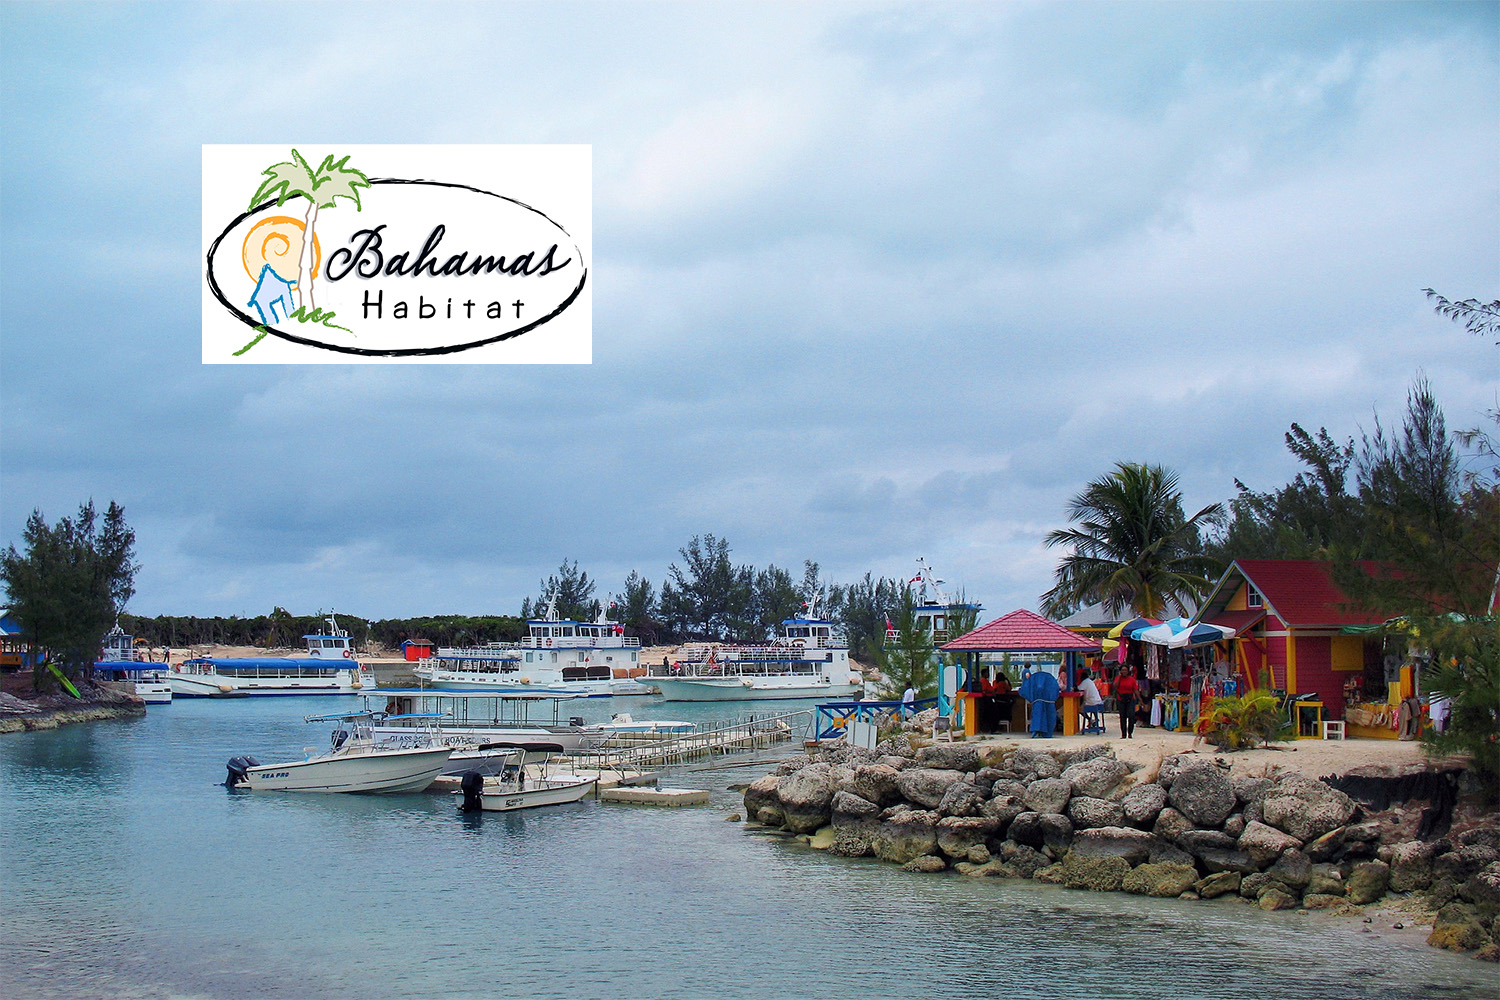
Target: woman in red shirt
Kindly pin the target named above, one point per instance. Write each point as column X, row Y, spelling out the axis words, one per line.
column 1126, row 688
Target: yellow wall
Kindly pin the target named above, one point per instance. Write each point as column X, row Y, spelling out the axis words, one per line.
column 1291, row 664
column 1237, row 602
column 1347, row 653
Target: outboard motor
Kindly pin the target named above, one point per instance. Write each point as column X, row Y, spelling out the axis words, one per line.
column 472, row 784
column 238, row 768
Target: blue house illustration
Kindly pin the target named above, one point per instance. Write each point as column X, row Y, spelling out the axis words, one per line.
column 272, row 292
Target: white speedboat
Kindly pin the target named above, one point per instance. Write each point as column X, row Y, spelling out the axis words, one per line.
column 473, row 722
column 329, row 667
column 807, row 659
column 558, row 655
column 521, row 787
column 355, row 763
column 121, row 666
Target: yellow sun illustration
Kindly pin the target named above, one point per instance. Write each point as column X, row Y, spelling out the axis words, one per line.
column 277, row 241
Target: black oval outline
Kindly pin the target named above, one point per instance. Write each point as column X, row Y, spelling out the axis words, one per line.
column 400, row 352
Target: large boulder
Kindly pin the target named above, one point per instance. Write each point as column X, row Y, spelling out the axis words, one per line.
column 849, row 809
column 958, row 836
column 1463, row 863
column 1134, row 846
column 842, row 776
column 1007, row 786
column 1022, row 859
column 1164, row 880
column 1048, row 795
column 1457, row 928
column 1292, row 868
column 1368, row 881
column 1216, row 859
column 1305, row 807
column 760, row 794
column 1203, row 794
column 1197, row 841
column 1099, row 873
column 1328, row 847
column 1003, row 808
column 807, row 798
column 1163, row 853
column 927, row 864
column 1143, row 804
column 1218, row 884
column 1411, row 865
column 950, row 757
column 961, row 799
column 1171, row 824
column 1248, row 790
column 1277, row 898
column 1087, row 813
column 906, row 836
column 925, row 785
column 1049, row 830
column 877, row 782
column 1328, row 880
column 850, row 842
column 1096, row 777
column 1265, row 843
column 1483, row 887
column 1176, row 764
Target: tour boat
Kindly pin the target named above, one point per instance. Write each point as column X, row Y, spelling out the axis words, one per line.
column 558, row 655
column 328, row 668
column 807, row 659
column 354, row 763
column 516, row 788
column 120, row 665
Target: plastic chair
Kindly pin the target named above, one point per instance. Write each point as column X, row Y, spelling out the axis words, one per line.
column 1333, row 730
column 1093, row 720
column 942, row 728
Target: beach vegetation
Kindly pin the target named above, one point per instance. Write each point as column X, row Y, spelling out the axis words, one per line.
column 69, row 585
column 1246, row 721
column 1132, row 548
column 573, row 591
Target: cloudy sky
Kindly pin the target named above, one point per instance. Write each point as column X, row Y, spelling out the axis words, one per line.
column 871, row 281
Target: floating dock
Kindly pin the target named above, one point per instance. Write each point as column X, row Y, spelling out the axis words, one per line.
column 670, row 797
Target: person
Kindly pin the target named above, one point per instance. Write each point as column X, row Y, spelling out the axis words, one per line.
column 909, row 696
column 1093, row 701
column 1126, row 688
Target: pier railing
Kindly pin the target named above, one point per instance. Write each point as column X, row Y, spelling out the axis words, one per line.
column 642, row 751
column 832, row 717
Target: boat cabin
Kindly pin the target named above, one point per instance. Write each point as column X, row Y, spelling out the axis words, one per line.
column 332, row 645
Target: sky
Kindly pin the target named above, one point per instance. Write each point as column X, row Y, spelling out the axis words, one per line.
column 872, row 282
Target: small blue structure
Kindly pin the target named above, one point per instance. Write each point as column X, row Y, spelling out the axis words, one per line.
column 272, row 292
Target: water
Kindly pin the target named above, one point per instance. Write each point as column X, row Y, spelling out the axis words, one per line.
column 129, row 872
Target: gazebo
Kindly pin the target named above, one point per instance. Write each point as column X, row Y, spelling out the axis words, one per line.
column 1021, row 631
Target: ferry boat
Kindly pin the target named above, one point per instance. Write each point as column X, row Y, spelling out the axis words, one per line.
column 809, row 658
column 557, row 656
column 328, row 668
column 121, row 666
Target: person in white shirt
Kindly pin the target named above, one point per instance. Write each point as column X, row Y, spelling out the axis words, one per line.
column 1091, row 696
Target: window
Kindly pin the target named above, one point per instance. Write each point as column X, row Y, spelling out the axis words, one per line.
column 1252, row 597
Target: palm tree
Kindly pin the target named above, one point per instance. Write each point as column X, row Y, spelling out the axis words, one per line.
column 1132, row 548
column 321, row 187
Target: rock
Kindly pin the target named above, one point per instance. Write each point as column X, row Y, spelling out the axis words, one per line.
column 1489, row 953
column 850, row 842
column 1326, row 880
column 1142, row 805
column 1483, row 887
column 1321, row 901
column 979, row 854
column 1235, row 825
column 1248, row 790
column 949, row 757
column 1363, row 833
column 1368, row 881
column 1007, row 786
column 848, row 808
column 1097, row 777
column 990, row 869
column 1004, row 809
column 899, row 763
column 927, row 864
column 1052, row 874
column 1293, row 868
column 733, row 818
column 1265, row 843
column 1204, row 795
column 926, row 786
column 1171, row 824
column 896, row 746
column 1169, row 854
column 1305, row 807
column 1086, row 812
column 843, row 776
column 961, row 799
column 1048, row 795
column 1091, row 752
column 769, row 816
column 1114, row 841
column 1197, row 841
column 1253, row 813
column 762, row 793
column 1327, row 847
column 1276, row 899
column 807, row 797
column 996, row 755
column 1162, row 880
column 1442, row 892
column 1482, row 836
column 1174, row 765
column 1057, row 833
column 1218, row 884
column 1047, row 767
column 1251, row 886
column 906, row 836
column 957, row 836
column 1463, row 863
column 1411, row 865
column 877, row 783
column 1024, row 861
column 984, row 779
column 1457, row 928
column 1094, row 872
column 1216, row 859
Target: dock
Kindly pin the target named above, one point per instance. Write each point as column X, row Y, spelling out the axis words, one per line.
column 670, row 797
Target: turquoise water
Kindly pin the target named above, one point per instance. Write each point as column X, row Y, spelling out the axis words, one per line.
column 129, row 872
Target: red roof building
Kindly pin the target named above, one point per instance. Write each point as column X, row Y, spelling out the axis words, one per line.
column 1021, row 631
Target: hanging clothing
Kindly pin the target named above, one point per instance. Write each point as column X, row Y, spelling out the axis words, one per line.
column 1439, row 709
column 1041, row 689
column 1156, row 712
column 1153, row 662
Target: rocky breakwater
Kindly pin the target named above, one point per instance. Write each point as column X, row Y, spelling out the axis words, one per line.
column 1085, row 820
column 49, row 711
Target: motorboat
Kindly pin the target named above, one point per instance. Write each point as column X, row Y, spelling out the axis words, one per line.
column 473, row 722
column 521, row 786
column 558, row 655
column 808, row 658
column 122, row 667
column 624, row 722
column 353, row 763
column 330, row 667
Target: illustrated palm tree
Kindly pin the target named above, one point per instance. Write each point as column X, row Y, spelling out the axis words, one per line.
column 321, row 187
column 1132, row 548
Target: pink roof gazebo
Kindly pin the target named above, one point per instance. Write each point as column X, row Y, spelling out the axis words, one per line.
column 1022, row 631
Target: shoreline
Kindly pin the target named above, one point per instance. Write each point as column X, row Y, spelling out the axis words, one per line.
column 33, row 712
